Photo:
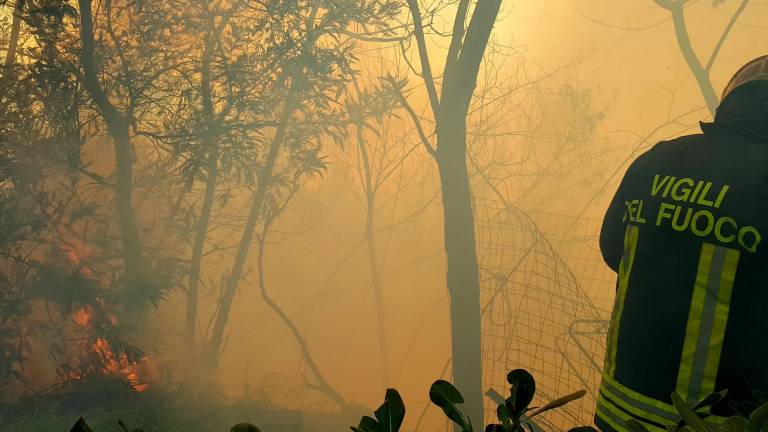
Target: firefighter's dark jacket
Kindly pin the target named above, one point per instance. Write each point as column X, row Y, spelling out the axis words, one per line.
column 687, row 233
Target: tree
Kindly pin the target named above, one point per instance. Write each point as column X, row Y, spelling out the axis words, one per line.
column 363, row 108
column 450, row 109
column 311, row 44
column 121, row 64
column 48, row 215
column 118, row 123
column 699, row 69
column 211, row 131
column 13, row 40
column 321, row 383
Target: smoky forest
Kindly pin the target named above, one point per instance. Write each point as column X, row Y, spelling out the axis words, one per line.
column 311, row 215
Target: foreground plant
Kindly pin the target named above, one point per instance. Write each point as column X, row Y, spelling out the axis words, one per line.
column 693, row 418
column 389, row 416
column 513, row 412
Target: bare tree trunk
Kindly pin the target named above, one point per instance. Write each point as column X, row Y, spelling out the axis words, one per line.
column 210, row 141
column 462, row 277
column 124, row 198
column 117, row 125
column 190, row 322
column 462, row 66
column 373, row 259
column 257, row 203
column 13, row 42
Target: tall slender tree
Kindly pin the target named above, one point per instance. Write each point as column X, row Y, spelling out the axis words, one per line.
column 118, row 124
column 313, row 48
column 450, row 109
column 121, row 50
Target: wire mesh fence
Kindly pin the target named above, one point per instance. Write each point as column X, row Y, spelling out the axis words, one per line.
column 546, row 297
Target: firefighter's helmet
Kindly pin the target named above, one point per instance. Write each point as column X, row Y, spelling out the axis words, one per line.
column 756, row 69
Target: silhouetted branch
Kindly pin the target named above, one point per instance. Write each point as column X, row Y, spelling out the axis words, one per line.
column 417, row 124
column 452, row 58
column 426, row 68
column 725, row 34
column 322, row 386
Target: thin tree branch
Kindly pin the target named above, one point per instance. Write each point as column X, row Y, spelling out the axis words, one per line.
column 417, row 123
column 323, row 386
column 426, row 69
column 452, row 58
column 472, row 52
column 676, row 8
column 725, row 34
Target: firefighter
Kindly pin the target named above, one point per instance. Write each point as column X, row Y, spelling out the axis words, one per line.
column 687, row 233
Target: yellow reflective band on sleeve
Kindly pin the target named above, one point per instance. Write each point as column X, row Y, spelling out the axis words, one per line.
column 707, row 320
column 616, row 403
column 617, row 418
column 639, row 404
column 625, row 269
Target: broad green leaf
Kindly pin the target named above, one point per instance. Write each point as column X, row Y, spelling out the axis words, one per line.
column 367, row 424
column 391, row 413
column 689, row 417
column 711, row 399
column 446, row 396
column 523, row 389
column 503, row 414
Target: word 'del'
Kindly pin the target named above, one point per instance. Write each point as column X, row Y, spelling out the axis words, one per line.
column 694, row 206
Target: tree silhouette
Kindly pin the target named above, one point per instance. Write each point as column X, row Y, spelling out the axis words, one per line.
column 450, row 109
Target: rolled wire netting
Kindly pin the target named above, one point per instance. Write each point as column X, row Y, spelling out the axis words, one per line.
column 546, row 297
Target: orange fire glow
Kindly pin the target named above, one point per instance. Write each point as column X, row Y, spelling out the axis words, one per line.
column 113, row 364
column 76, row 253
column 120, row 365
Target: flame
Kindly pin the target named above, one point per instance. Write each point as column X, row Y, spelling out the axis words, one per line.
column 120, row 365
column 113, row 364
column 76, row 253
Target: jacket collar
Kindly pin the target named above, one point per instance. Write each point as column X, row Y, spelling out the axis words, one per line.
column 743, row 112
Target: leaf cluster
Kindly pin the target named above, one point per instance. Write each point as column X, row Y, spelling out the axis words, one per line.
column 513, row 412
column 750, row 418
